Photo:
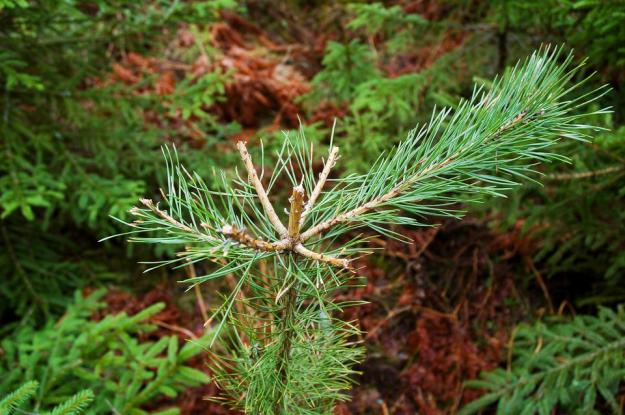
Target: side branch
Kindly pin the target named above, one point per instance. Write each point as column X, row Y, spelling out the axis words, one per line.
column 401, row 187
column 248, row 240
column 352, row 214
column 334, row 261
column 287, row 244
column 323, row 176
column 260, row 190
column 165, row 216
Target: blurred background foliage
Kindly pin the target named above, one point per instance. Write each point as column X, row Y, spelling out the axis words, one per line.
column 91, row 90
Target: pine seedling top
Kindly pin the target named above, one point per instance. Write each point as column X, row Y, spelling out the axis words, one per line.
column 288, row 352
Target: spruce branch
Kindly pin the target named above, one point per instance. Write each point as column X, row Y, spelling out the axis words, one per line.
column 75, row 405
column 13, row 400
column 559, row 364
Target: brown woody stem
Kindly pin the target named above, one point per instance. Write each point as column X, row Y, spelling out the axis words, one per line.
column 248, row 240
column 165, row 216
column 295, row 216
column 323, row 176
column 334, row 261
column 260, row 190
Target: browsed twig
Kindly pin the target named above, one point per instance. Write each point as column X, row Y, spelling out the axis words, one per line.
column 164, row 215
column 292, row 244
column 323, row 176
column 334, row 261
column 248, row 240
column 295, row 216
column 260, row 190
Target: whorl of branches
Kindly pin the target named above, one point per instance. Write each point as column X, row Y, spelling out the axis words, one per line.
column 483, row 147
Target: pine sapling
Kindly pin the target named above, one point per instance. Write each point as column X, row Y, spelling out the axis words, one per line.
column 287, row 349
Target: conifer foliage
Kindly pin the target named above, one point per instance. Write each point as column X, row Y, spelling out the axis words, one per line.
column 575, row 365
column 107, row 356
column 73, row 406
column 63, row 127
column 288, row 350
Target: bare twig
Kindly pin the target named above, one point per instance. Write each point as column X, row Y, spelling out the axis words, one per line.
column 334, row 261
column 323, row 176
column 290, row 237
column 248, row 240
column 173, row 327
column 541, row 283
column 260, row 190
column 198, row 291
column 585, row 174
column 291, row 242
column 295, row 216
column 391, row 315
column 164, row 215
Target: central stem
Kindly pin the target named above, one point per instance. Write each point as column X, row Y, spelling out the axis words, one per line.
column 285, row 323
column 286, row 344
column 295, row 215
